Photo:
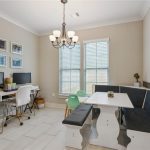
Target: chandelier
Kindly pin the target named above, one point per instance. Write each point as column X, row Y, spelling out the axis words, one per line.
column 61, row 39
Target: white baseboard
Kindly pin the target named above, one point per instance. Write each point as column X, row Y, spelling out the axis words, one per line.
column 55, row 105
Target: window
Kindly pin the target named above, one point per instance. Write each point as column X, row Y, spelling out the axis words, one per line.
column 69, row 70
column 96, row 63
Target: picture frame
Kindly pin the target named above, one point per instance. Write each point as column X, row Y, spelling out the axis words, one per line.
column 16, row 48
column 3, row 60
column 16, row 62
column 3, row 45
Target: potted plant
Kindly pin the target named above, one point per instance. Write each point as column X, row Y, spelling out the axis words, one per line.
column 137, row 83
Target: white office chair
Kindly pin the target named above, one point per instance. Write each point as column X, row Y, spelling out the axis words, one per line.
column 22, row 98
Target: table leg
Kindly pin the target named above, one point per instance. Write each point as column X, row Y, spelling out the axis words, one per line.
column 106, row 131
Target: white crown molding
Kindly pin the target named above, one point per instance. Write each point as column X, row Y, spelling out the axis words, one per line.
column 101, row 25
column 142, row 15
column 145, row 9
column 18, row 24
column 110, row 23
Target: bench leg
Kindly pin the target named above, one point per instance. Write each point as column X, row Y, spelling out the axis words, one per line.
column 73, row 137
column 89, row 119
column 139, row 140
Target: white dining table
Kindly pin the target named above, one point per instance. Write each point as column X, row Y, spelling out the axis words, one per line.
column 107, row 129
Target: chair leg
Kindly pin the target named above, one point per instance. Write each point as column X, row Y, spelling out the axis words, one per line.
column 70, row 111
column 2, row 125
column 18, row 116
column 66, row 109
column 28, row 107
column 25, row 108
column 67, row 112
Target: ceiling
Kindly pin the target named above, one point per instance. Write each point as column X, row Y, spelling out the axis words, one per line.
column 42, row 16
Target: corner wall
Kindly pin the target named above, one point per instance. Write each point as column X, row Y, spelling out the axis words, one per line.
column 146, row 49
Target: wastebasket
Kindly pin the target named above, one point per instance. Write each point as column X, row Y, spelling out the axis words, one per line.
column 40, row 102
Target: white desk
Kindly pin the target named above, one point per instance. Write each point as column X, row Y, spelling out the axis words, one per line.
column 107, row 128
column 2, row 93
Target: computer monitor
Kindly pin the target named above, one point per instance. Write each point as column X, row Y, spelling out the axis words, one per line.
column 1, row 79
column 22, row 78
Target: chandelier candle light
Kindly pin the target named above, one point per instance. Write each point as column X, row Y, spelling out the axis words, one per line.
column 59, row 39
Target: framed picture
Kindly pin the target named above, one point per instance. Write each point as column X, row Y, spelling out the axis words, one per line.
column 3, row 45
column 16, row 62
column 16, row 48
column 2, row 60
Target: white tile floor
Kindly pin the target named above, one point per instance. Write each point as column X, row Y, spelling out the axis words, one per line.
column 44, row 131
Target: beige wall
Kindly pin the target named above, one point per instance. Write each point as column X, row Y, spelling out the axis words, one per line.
column 30, row 43
column 126, row 53
column 49, row 69
column 146, row 44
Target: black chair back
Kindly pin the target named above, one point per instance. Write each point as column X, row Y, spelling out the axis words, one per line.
column 136, row 95
column 106, row 88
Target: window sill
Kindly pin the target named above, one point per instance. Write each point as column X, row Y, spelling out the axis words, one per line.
column 61, row 95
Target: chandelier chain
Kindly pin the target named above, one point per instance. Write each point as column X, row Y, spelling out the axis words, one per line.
column 64, row 13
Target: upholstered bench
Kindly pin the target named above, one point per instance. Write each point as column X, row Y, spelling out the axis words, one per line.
column 74, row 123
column 136, row 95
column 138, row 126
